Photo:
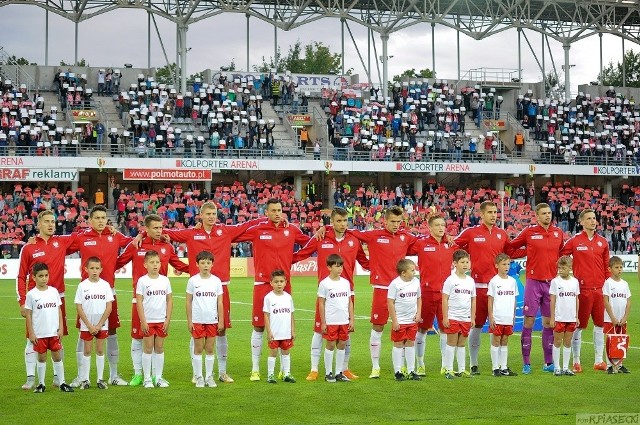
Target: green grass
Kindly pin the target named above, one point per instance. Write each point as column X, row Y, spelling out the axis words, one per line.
column 537, row 398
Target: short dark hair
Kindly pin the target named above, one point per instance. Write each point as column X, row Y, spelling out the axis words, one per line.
column 278, row 273
column 38, row 267
column 338, row 211
column 204, row 255
column 403, row 265
column 615, row 261
column 334, row 260
column 487, row 204
column 97, row 208
column 151, row 254
column 502, row 257
column 459, row 255
column 273, row 201
column 395, row 210
column 93, row 259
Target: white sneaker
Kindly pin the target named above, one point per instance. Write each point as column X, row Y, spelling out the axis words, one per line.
column 30, row 384
column 76, row 382
column 148, row 383
column 210, row 382
column 199, row 382
column 161, row 383
column 119, row 381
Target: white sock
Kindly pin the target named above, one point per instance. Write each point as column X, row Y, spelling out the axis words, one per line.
column 375, row 345
column 474, row 345
column 146, row 365
column 271, row 365
column 449, row 352
column 30, row 359
column 136, row 356
column 421, row 339
column 340, row 360
column 196, row 364
column 154, row 363
column 461, row 358
column 566, row 353
column 316, row 347
column 192, row 344
column 256, row 350
column 397, row 355
column 443, row 346
column 328, row 361
column 208, row 364
column 410, row 358
column 598, row 343
column 286, row 364
column 347, row 355
column 576, row 344
column 113, row 355
column 85, row 365
column 556, row 357
column 504, row 356
column 99, row 367
column 222, row 349
column 495, row 357
column 79, row 354
column 159, row 367
column 58, row 369
column 42, row 371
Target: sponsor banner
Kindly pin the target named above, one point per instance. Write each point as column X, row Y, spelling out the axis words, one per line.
column 162, row 174
column 39, row 174
column 305, row 82
column 615, row 170
column 308, row 267
column 72, row 269
column 213, row 164
column 300, row 120
column 240, row 267
column 84, row 115
column 495, row 125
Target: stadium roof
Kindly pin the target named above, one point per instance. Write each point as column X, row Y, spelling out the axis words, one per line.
column 564, row 20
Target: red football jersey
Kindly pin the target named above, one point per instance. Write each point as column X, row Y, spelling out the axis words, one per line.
column 51, row 252
column 349, row 248
column 435, row 261
column 105, row 246
column 483, row 244
column 590, row 259
column 273, row 248
column 385, row 250
column 543, row 250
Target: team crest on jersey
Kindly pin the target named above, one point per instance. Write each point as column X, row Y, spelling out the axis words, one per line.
column 350, row 243
column 286, row 233
column 599, row 244
column 499, row 236
column 163, row 251
column 219, row 232
column 55, row 244
column 555, row 234
column 402, row 238
column 446, row 245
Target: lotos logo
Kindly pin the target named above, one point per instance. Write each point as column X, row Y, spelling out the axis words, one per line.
column 338, row 294
column 282, row 310
column 463, row 291
column 408, row 294
column 206, row 294
column 47, row 305
column 567, row 294
column 156, row 292
column 618, row 295
column 506, row 292
column 95, row 297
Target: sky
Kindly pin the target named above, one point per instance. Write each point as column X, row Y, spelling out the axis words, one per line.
column 120, row 37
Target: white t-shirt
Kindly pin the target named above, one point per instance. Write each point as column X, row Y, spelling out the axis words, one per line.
column 93, row 297
column 566, row 292
column 44, row 306
column 205, row 291
column 406, row 296
column 280, row 309
column 619, row 294
column 504, row 293
column 460, row 291
column 154, row 297
column 337, row 295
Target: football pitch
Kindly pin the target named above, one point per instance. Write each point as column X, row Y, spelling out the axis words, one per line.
column 524, row 399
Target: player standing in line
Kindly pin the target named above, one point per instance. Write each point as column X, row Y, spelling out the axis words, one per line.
column 136, row 254
column 405, row 305
column 280, row 326
column 458, row 313
column 483, row 243
column 43, row 310
column 543, row 241
column 590, row 253
column 502, row 293
column 102, row 242
column 155, row 306
column 340, row 242
column 217, row 239
column 51, row 250
column 564, row 292
column 617, row 305
column 94, row 300
column 273, row 243
column 435, row 258
column 205, row 316
column 335, row 306
column 386, row 247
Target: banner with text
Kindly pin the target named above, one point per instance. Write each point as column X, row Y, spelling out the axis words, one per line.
column 160, row 174
column 305, row 82
column 39, row 174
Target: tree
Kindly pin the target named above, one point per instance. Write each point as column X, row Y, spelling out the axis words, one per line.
column 313, row 58
column 20, row 61
column 167, row 74
column 412, row 73
column 612, row 74
column 81, row 62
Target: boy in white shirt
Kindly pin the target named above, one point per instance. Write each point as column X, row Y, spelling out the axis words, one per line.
column 502, row 293
column 563, row 291
column 280, row 326
column 405, row 306
column 205, row 317
column 44, row 326
column 617, row 304
column 155, row 306
column 458, row 313
column 335, row 305
column 94, row 299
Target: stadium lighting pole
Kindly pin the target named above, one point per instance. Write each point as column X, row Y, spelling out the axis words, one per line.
column 342, row 42
column 433, row 47
column 248, row 16
column 385, row 84
column 624, row 67
column 567, row 71
column 149, row 38
column 46, row 37
column 75, row 62
column 458, row 45
column 519, row 55
column 600, row 36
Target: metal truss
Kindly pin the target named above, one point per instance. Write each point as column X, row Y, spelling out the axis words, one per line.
column 563, row 20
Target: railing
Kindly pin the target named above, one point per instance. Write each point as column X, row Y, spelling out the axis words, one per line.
column 494, row 76
column 17, row 75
